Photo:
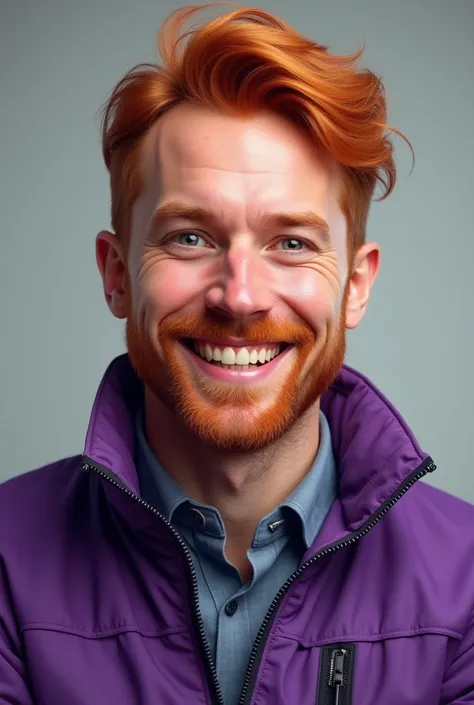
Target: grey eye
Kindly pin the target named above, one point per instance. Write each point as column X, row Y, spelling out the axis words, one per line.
column 188, row 238
column 294, row 243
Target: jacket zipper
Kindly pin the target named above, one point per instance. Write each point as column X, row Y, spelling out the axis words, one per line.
column 336, row 674
column 250, row 676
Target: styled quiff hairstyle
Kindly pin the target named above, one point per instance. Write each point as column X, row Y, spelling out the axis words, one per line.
column 241, row 62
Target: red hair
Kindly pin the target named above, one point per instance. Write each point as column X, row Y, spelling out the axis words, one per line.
column 243, row 61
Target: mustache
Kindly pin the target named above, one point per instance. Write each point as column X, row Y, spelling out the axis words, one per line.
column 281, row 330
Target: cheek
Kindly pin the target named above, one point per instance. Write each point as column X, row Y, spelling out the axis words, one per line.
column 312, row 295
column 166, row 286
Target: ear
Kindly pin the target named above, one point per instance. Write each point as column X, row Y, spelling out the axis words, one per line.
column 364, row 273
column 112, row 268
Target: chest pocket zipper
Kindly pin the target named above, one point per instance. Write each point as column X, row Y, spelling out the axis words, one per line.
column 336, row 668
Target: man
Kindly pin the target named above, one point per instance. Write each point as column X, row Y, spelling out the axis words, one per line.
column 245, row 524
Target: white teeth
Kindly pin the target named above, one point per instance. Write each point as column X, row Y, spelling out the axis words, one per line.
column 228, row 356
column 242, row 357
column 253, row 357
column 238, row 358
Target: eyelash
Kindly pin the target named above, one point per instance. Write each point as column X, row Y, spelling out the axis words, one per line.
column 308, row 245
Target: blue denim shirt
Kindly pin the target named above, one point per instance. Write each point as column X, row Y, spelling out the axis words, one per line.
column 232, row 612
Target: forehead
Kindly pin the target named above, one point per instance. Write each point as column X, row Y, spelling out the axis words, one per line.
column 194, row 147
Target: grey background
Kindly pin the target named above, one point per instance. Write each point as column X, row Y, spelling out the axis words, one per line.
column 59, row 60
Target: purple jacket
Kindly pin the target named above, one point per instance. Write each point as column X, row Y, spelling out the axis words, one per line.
column 98, row 599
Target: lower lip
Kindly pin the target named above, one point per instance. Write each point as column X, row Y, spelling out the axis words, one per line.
column 228, row 375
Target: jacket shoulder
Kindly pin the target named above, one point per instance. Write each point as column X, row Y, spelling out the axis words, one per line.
column 37, row 496
column 441, row 527
column 436, row 500
column 50, row 474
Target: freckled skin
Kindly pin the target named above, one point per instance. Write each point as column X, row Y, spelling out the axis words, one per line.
column 239, row 278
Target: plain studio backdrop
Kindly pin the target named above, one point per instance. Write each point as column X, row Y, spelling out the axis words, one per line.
column 60, row 59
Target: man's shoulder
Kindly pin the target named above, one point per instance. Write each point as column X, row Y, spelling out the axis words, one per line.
column 37, row 495
column 442, row 501
column 440, row 523
column 42, row 476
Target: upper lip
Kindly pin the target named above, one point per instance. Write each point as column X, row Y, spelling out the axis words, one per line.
column 238, row 342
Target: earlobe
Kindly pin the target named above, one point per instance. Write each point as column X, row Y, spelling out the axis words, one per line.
column 112, row 268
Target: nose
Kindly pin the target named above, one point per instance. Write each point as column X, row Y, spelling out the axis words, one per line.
column 243, row 289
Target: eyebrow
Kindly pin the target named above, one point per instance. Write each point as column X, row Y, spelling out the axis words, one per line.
column 175, row 209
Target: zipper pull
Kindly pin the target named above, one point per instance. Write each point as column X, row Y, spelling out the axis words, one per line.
column 336, row 672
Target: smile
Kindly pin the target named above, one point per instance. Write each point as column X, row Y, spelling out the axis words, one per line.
column 252, row 363
column 238, row 357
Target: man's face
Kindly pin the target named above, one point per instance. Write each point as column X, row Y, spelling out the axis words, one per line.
column 212, row 271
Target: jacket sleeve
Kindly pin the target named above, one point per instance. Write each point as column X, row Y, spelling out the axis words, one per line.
column 14, row 688
column 458, row 683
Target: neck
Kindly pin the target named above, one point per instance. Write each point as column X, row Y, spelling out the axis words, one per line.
column 243, row 486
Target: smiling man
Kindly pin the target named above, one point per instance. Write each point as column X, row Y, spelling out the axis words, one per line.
column 246, row 523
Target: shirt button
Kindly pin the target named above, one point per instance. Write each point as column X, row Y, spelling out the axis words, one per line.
column 231, row 608
column 198, row 517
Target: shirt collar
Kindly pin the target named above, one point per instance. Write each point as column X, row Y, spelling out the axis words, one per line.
column 309, row 503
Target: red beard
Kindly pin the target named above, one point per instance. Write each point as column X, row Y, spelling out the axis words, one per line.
column 206, row 412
